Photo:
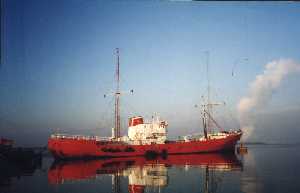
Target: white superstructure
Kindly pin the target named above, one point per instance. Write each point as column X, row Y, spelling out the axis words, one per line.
column 147, row 133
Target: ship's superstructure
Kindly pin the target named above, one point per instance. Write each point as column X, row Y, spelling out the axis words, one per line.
column 147, row 133
column 143, row 137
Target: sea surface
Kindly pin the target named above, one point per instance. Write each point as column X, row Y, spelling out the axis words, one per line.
column 265, row 168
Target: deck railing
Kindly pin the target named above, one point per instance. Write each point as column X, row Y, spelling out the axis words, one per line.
column 80, row 137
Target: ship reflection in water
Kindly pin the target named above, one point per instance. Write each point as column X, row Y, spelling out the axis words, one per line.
column 142, row 173
column 265, row 169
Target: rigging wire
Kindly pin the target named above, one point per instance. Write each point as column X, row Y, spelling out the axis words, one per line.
column 107, row 115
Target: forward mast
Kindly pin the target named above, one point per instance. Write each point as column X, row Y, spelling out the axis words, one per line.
column 117, row 129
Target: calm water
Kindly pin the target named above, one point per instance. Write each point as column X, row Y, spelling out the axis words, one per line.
column 266, row 168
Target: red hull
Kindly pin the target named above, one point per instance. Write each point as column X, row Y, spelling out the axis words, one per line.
column 78, row 148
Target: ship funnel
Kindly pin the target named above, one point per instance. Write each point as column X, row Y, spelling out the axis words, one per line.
column 133, row 121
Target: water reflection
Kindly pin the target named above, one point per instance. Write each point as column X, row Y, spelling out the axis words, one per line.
column 141, row 172
column 249, row 178
column 12, row 169
column 264, row 169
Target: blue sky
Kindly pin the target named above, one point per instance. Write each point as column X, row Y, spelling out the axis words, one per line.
column 58, row 61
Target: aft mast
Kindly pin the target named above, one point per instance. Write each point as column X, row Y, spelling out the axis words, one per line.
column 207, row 118
column 207, row 107
column 117, row 128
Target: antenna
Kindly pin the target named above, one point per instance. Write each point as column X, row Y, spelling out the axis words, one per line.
column 117, row 128
column 116, row 131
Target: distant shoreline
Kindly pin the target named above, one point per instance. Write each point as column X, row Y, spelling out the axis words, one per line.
column 263, row 143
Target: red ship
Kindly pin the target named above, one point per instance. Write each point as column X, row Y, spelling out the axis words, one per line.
column 144, row 138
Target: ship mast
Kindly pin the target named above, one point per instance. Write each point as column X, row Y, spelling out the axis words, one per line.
column 207, row 118
column 206, row 107
column 117, row 128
